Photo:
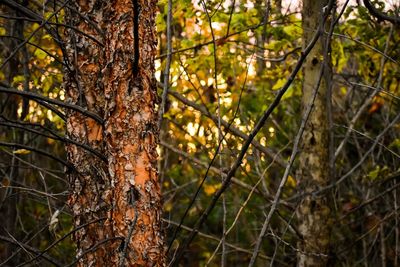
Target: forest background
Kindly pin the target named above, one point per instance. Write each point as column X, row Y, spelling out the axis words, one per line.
column 219, row 66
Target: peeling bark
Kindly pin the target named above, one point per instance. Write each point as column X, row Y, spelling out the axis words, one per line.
column 117, row 82
column 313, row 174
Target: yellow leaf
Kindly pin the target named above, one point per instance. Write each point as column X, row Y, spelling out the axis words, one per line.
column 291, row 182
column 168, row 206
column 210, row 189
column 22, row 151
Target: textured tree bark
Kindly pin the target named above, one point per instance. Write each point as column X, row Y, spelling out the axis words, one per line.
column 118, row 201
column 313, row 174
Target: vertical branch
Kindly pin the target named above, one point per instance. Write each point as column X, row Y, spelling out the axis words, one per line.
column 262, row 39
column 167, row 65
column 383, row 243
column 396, row 229
column 220, row 133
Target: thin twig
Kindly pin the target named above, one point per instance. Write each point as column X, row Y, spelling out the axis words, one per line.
column 39, row 151
column 164, row 99
column 31, row 249
column 36, row 97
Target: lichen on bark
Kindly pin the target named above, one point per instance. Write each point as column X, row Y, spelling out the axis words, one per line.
column 313, row 173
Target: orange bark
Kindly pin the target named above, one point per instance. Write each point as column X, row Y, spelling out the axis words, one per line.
column 122, row 195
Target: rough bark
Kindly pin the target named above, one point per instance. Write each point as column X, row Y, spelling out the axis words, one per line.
column 313, row 173
column 120, row 198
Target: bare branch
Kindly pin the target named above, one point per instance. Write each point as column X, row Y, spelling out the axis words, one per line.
column 37, row 97
column 31, row 249
column 44, row 153
column 380, row 15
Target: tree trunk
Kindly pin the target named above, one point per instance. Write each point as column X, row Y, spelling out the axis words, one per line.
column 116, row 199
column 9, row 198
column 313, row 173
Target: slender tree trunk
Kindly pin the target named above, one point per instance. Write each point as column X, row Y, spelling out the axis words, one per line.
column 9, row 198
column 262, row 37
column 313, row 173
column 278, row 4
column 116, row 200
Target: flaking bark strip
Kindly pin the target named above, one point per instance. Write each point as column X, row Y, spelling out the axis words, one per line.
column 136, row 10
column 136, row 52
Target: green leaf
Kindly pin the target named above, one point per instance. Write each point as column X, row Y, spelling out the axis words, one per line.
column 395, row 143
column 375, row 173
column 40, row 54
column 279, row 84
column 292, row 30
column 18, row 79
